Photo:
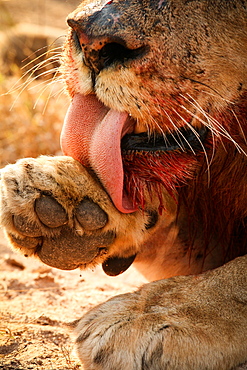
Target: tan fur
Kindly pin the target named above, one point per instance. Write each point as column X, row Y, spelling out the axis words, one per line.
column 68, row 182
column 170, row 324
column 194, row 72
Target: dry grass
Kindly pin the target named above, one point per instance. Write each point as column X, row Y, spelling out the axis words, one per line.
column 31, row 113
column 31, row 120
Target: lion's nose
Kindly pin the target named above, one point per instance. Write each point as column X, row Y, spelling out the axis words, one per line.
column 102, row 51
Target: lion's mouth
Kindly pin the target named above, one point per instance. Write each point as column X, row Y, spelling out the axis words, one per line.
column 102, row 139
column 183, row 139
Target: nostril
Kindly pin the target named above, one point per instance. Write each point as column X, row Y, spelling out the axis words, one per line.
column 102, row 51
column 76, row 41
column 117, row 53
column 75, row 25
column 72, row 23
column 79, row 36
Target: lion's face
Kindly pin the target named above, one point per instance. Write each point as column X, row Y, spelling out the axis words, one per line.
column 150, row 82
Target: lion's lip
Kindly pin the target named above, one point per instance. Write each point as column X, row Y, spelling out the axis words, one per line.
column 183, row 139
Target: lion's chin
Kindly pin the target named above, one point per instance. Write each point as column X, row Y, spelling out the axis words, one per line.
column 153, row 163
column 152, row 173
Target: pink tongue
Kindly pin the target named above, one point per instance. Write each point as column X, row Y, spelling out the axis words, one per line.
column 92, row 135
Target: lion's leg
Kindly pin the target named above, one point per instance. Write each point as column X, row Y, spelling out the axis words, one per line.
column 190, row 323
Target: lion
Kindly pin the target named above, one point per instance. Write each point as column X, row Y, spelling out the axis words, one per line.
column 153, row 174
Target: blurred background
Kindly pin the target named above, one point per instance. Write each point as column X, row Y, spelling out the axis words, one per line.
column 33, row 101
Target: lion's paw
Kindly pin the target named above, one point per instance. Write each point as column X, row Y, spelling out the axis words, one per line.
column 63, row 247
column 173, row 324
column 53, row 208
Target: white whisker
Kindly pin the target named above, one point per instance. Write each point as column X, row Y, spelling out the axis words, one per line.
column 43, row 64
column 39, row 57
column 216, row 127
column 176, row 129
column 217, row 96
column 184, row 120
column 240, row 126
column 198, row 138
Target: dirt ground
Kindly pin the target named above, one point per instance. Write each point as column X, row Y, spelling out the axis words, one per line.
column 36, row 301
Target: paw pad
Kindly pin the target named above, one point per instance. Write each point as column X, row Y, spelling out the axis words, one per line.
column 90, row 215
column 59, row 244
column 50, row 212
column 25, row 227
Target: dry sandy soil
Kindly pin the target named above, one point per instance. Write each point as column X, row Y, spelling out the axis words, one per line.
column 35, row 300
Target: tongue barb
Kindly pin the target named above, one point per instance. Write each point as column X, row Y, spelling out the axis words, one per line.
column 92, row 135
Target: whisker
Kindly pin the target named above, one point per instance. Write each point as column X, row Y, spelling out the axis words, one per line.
column 217, row 93
column 43, row 74
column 25, row 86
column 59, row 93
column 149, row 130
column 20, row 87
column 40, row 56
column 13, row 89
column 198, row 138
column 49, row 49
column 240, row 126
column 42, row 64
column 51, row 83
column 214, row 133
column 201, row 110
column 217, row 96
column 217, row 130
column 221, row 131
column 207, row 124
column 43, row 85
column 184, row 120
column 52, row 59
column 51, row 86
column 161, row 110
column 176, row 129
